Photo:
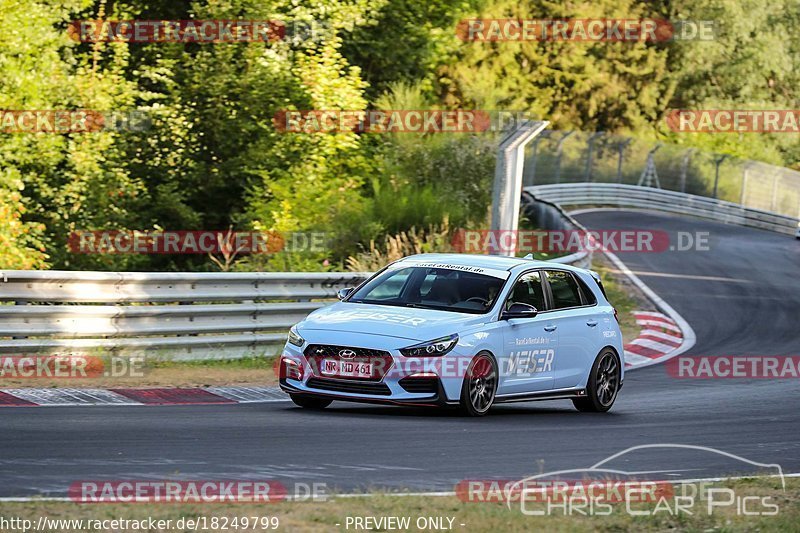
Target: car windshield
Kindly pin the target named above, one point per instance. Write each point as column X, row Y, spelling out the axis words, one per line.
column 431, row 288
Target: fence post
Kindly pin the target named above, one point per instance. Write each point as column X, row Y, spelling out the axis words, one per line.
column 559, row 150
column 774, row 193
column 745, row 171
column 685, row 167
column 718, row 162
column 621, row 155
column 587, row 172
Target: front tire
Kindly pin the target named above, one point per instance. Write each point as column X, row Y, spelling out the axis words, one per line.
column 480, row 386
column 310, row 402
column 603, row 384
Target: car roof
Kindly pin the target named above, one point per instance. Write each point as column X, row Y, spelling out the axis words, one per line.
column 498, row 262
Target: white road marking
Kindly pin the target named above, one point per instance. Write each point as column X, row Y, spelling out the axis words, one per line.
column 653, row 345
column 660, row 324
column 661, row 335
column 250, row 394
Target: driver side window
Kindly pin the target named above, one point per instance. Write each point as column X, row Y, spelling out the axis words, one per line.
column 528, row 290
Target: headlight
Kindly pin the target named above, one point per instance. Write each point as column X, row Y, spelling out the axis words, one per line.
column 432, row 348
column 295, row 338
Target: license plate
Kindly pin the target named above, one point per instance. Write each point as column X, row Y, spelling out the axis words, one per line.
column 347, row 369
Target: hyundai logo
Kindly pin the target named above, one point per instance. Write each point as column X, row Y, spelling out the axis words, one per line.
column 347, row 354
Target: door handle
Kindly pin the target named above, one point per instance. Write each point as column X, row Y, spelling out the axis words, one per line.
column 550, row 328
column 591, row 323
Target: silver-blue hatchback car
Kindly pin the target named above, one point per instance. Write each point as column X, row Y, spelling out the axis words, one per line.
column 460, row 330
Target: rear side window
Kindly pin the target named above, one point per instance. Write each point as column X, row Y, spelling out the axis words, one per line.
column 528, row 290
column 588, row 296
column 564, row 289
column 600, row 284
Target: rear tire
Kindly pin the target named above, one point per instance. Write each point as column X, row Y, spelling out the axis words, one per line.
column 603, row 384
column 310, row 402
column 480, row 385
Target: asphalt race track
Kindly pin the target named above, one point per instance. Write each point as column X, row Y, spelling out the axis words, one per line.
column 741, row 297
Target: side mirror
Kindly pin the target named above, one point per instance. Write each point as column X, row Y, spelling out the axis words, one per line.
column 343, row 293
column 519, row 311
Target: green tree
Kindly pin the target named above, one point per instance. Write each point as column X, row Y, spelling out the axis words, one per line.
column 70, row 181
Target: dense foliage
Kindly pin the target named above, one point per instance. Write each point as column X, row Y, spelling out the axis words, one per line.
column 212, row 158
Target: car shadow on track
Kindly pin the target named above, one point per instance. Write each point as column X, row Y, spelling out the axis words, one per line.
column 518, row 410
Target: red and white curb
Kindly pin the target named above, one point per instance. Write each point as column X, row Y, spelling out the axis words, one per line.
column 664, row 335
column 659, row 337
column 145, row 396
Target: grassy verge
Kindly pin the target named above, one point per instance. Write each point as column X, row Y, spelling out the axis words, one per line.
column 332, row 515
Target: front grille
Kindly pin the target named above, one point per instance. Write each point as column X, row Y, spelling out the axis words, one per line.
column 355, row 387
column 420, row 385
column 330, row 350
column 380, row 360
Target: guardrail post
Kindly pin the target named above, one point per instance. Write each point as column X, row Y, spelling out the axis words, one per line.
column 507, row 191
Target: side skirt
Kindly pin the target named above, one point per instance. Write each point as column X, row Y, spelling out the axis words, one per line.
column 558, row 394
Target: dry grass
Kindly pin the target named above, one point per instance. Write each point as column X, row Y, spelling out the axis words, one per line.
column 435, row 239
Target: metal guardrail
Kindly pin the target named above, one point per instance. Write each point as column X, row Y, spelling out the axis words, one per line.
column 155, row 314
column 68, row 286
column 631, row 196
column 241, row 314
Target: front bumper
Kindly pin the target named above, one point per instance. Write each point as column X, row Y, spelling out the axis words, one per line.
column 433, row 381
column 437, row 399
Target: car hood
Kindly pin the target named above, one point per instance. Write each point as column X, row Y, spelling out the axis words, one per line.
column 390, row 321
